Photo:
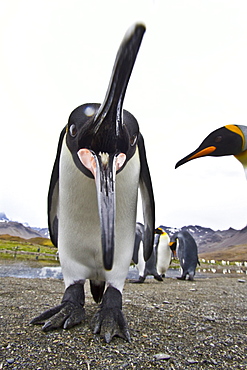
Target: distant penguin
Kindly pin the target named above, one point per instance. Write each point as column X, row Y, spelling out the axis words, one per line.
column 92, row 202
column 163, row 251
column 138, row 257
column 160, row 258
column 227, row 140
column 184, row 246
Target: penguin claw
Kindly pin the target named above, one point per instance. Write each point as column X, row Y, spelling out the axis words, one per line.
column 158, row 277
column 63, row 316
column 109, row 321
column 68, row 314
column 139, row 281
column 39, row 320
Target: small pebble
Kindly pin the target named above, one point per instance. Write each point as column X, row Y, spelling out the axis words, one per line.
column 241, row 280
column 213, row 361
column 191, row 361
column 10, row 360
column 162, row 356
column 209, row 318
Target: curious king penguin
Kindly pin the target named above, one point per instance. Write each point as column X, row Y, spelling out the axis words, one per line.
column 227, row 140
column 92, row 202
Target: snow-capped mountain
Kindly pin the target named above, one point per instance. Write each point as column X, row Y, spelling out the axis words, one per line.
column 15, row 228
column 3, row 217
column 229, row 243
column 213, row 244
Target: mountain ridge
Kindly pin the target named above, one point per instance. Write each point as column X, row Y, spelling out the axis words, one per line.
column 228, row 244
column 16, row 228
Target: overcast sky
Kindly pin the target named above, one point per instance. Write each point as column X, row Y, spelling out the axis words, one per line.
column 189, row 79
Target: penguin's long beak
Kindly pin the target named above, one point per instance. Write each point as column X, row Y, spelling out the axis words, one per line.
column 196, row 154
column 110, row 141
column 109, row 115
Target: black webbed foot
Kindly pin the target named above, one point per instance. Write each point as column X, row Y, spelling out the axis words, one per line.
column 109, row 321
column 158, row 277
column 139, row 281
column 68, row 314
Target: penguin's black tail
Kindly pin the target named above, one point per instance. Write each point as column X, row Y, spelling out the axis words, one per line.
column 97, row 289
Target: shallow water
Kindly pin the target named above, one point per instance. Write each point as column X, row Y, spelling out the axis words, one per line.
column 31, row 270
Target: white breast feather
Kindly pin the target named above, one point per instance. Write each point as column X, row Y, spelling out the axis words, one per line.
column 163, row 254
column 79, row 239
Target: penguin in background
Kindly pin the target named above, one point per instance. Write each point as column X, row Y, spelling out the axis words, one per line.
column 92, row 202
column 160, row 259
column 138, row 257
column 227, row 140
column 163, row 251
column 184, row 246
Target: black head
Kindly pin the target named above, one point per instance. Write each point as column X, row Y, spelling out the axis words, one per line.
column 82, row 134
column 159, row 231
column 227, row 140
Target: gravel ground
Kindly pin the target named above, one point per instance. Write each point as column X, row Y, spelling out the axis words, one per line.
column 174, row 324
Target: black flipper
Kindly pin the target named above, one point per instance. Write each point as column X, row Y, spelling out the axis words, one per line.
column 148, row 205
column 139, row 236
column 54, row 193
column 68, row 314
column 97, row 290
column 109, row 321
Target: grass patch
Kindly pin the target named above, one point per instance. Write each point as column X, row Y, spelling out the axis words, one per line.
column 27, row 249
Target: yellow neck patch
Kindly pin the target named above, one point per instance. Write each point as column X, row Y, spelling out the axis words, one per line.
column 237, row 130
column 242, row 157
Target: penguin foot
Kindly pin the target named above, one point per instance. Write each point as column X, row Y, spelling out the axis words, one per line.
column 109, row 321
column 68, row 314
column 158, row 277
column 139, row 281
column 191, row 276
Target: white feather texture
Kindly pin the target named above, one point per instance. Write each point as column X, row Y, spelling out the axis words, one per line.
column 164, row 254
column 79, row 233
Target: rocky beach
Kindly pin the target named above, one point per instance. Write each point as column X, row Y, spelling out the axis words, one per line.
column 173, row 324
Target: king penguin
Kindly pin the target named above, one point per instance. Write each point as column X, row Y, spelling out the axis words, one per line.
column 227, row 140
column 163, row 251
column 92, row 202
column 160, row 258
column 184, row 246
